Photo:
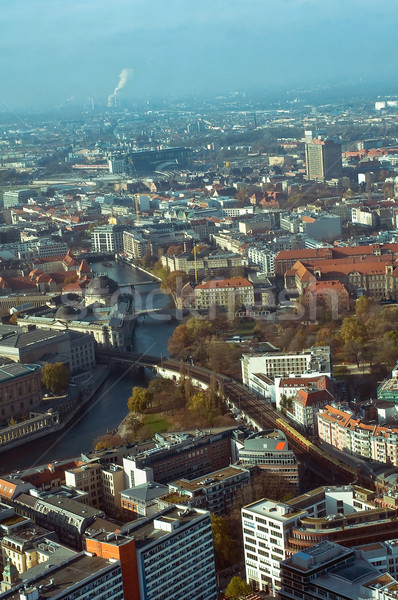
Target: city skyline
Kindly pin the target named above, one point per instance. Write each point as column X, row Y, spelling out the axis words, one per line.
column 56, row 54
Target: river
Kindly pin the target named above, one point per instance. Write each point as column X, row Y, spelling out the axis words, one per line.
column 108, row 407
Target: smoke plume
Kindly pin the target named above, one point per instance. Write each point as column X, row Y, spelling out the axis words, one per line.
column 123, row 78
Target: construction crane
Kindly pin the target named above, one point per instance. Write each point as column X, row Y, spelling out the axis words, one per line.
column 194, row 258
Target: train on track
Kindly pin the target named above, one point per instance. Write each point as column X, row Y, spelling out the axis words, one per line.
column 313, row 449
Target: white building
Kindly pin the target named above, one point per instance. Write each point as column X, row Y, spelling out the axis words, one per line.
column 271, row 529
column 107, row 238
column 312, row 362
column 263, row 258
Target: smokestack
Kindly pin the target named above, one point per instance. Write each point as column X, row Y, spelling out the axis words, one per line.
column 123, row 78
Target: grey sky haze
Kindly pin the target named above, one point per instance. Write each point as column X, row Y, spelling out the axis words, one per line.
column 51, row 50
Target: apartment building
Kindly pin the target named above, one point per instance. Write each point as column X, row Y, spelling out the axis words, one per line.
column 215, row 492
column 330, row 571
column 274, row 531
column 181, row 455
column 107, row 238
column 141, row 500
column 314, row 361
column 286, row 258
column 230, row 293
column 17, row 197
column 323, row 159
column 349, row 433
column 68, row 517
column 168, row 556
column 287, row 387
column 135, row 245
column 33, row 546
column 264, row 258
column 103, row 484
column 206, row 264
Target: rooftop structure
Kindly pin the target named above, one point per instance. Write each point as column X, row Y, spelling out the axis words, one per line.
column 328, row 570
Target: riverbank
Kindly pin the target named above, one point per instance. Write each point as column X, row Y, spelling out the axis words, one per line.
column 132, row 264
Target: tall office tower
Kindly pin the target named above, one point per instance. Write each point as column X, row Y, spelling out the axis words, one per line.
column 323, row 159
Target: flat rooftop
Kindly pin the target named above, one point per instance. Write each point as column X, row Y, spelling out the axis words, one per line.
column 145, row 531
column 14, row 370
column 65, row 577
column 210, row 479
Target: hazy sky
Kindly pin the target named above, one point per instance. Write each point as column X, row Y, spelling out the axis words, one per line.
column 51, row 50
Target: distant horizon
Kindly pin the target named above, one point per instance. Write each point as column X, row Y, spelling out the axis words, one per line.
column 322, row 94
column 54, row 53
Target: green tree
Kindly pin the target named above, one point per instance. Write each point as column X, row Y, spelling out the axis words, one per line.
column 139, row 400
column 108, row 440
column 223, row 542
column 55, row 376
column 148, row 260
column 204, row 406
column 198, row 329
column 237, row 588
column 174, row 250
column 351, row 329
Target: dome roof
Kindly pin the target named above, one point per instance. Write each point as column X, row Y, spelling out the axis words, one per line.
column 67, row 312
column 102, row 286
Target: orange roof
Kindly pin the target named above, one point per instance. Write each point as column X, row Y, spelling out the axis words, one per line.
column 69, row 260
column 302, row 272
column 304, row 253
column 84, row 267
column 7, row 488
column 224, row 283
column 312, row 397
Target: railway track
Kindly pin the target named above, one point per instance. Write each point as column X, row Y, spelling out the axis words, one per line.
column 254, row 408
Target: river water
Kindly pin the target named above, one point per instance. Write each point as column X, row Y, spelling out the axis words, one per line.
column 109, row 405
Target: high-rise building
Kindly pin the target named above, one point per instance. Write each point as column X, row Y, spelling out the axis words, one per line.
column 323, row 159
column 168, row 556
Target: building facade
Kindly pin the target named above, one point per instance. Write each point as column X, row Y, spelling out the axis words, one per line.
column 270, row 452
column 20, row 390
column 274, row 531
column 107, row 238
column 312, row 362
column 323, row 159
column 168, row 556
column 229, row 293
column 181, row 455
